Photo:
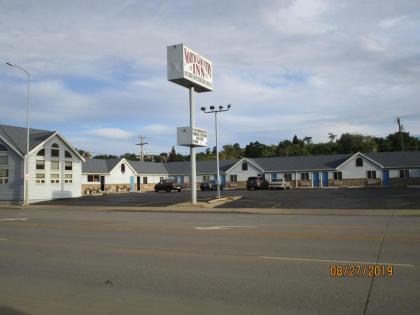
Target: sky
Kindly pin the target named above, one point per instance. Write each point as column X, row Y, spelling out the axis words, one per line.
column 304, row 67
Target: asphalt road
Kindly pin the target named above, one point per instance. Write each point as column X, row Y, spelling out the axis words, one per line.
column 105, row 262
column 354, row 198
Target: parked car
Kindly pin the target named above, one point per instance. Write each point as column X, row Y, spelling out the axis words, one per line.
column 168, row 185
column 256, row 182
column 279, row 183
column 210, row 185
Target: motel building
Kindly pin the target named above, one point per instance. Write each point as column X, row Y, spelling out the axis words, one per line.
column 55, row 167
column 322, row 171
column 56, row 170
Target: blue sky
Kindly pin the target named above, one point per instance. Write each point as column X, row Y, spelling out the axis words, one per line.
column 304, row 67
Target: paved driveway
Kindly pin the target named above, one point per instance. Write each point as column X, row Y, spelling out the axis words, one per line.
column 360, row 198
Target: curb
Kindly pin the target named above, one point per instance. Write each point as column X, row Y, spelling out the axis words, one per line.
column 206, row 208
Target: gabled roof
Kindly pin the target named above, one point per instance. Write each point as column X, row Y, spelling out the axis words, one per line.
column 248, row 160
column 16, row 136
column 300, row 163
column 404, row 159
column 99, row 166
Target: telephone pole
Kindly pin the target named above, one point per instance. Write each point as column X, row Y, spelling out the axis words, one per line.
column 400, row 128
column 142, row 144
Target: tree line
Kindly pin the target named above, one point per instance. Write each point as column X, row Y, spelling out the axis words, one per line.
column 346, row 143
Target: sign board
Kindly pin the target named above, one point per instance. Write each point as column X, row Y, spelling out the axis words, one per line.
column 191, row 137
column 189, row 69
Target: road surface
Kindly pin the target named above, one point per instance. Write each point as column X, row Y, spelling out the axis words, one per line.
column 104, row 262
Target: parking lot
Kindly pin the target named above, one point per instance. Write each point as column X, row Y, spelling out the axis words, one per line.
column 354, row 198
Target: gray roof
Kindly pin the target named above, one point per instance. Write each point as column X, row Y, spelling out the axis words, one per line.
column 181, row 167
column 99, row 166
column 296, row 163
column 396, row 159
column 16, row 136
column 273, row 164
column 203, row 167
column 148, row 167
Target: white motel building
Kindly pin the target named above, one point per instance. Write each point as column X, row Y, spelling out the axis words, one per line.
column 56, row 169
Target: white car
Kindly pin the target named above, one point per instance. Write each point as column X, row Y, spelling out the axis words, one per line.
column 279, row 183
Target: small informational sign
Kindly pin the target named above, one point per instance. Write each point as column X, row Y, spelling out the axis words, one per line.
column 191, row 137
column 189, row 69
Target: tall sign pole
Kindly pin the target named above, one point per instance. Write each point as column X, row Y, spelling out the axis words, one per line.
column 195, row 72
column 193, row 177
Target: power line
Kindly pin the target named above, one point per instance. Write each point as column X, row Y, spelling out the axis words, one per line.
column 142, row 144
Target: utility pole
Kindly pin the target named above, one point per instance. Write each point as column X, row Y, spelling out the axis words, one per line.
column 400, row 128
column 142, row 144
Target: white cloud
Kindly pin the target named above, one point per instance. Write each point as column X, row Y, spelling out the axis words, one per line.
column 298, row 17
column 112, row 133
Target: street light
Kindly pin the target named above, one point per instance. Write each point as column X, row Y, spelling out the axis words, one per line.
column 26, row 182
column 215, row 111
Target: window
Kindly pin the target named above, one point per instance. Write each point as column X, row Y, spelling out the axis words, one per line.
column 41, row 152
column 40, row 178
column 145, row 180
column 288, row 177
column 371, row 174
column 304, row 176
column 40, row 164
column 55, row 151
column 244, row 166
column 338, row 175
column 4, row 176
column 404, row 174
column 68, row 166
column 206, row 178
column 234, row 178
column 55, row 165
column 4, row 165
column 274, row 177
column 55, row 178
column 67, row 154
column 359, row 162
column 123, row 168
column 68, row 178
column 161, row 178
column 93, row 178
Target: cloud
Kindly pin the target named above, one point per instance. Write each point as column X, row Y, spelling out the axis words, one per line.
column 298, row 17
column 112, row 133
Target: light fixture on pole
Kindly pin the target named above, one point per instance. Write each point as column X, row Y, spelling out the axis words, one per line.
column 26, row 180
column 212, row 110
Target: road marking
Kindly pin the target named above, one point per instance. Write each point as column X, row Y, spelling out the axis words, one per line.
column 14, row 219
column 224, row 227
column 336, row 261
column 3, row 239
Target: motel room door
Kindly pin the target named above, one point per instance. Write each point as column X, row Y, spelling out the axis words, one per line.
column 315, row 179
column 138, row 183
column 324, row 179
column 385, row 177
column 132, row 183
column 102, row 183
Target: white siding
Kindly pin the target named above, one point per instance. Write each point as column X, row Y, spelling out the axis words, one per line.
column 47, row 191
column 415, row 172
column 243, row 175
column 351, row 171
column 394, row 173
column 117, row 177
